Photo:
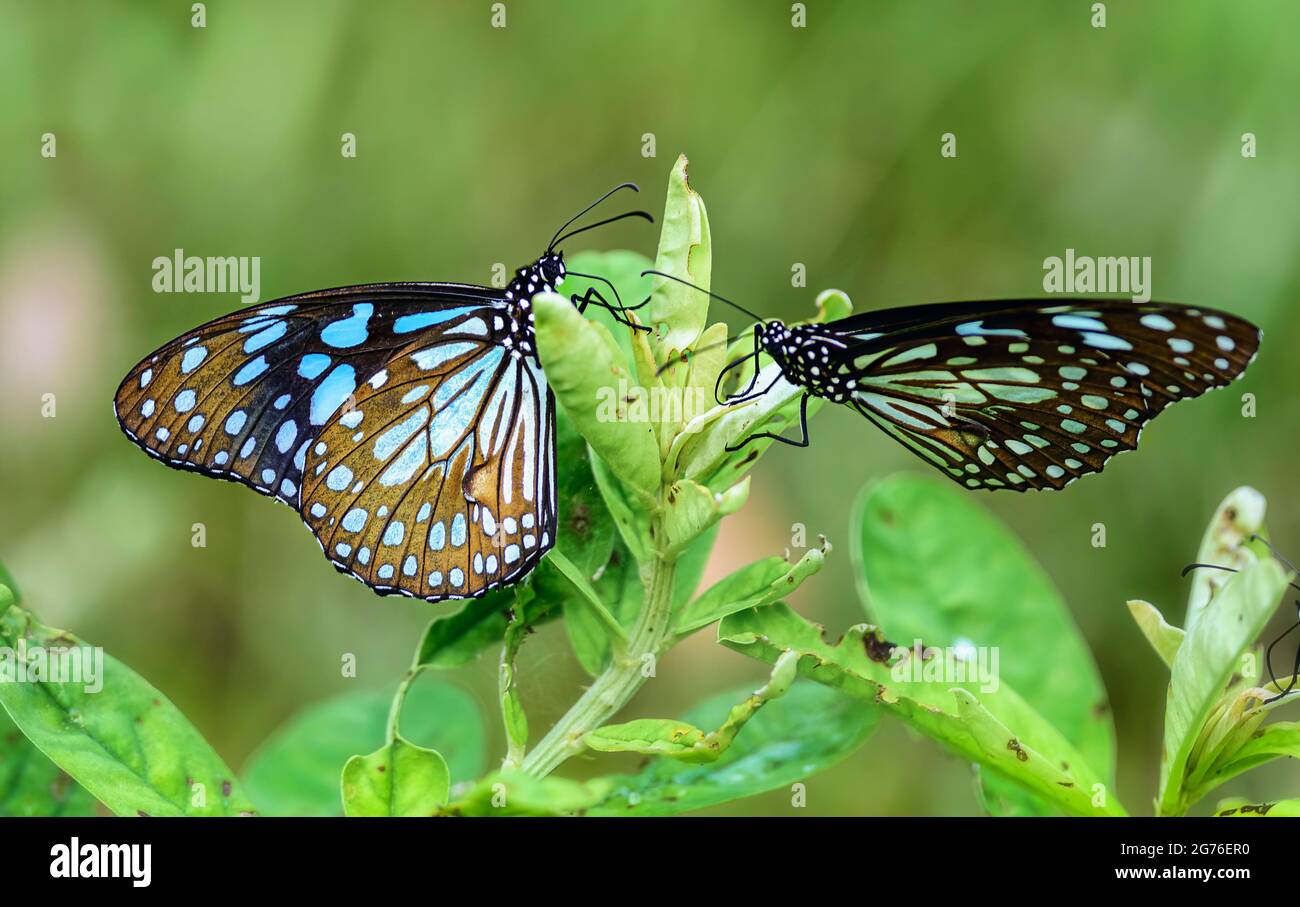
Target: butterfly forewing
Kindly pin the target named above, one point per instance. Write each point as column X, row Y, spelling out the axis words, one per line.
column 1030, row 394
column 242, row 397
column 438, row 479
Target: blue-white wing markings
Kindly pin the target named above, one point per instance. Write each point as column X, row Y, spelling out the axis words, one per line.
column 1174, row 352
column 542, row 479
column 264, row 343
column 1009, row 417
column 448, row 401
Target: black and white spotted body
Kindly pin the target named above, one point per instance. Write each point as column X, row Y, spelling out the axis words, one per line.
column 808, row 357
column 515, row 330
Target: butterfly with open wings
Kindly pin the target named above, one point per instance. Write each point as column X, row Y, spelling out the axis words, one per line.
column 1006, row 394
column 409, row 424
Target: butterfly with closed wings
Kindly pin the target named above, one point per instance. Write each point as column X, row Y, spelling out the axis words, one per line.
column 409, row 424
column 1007, row 394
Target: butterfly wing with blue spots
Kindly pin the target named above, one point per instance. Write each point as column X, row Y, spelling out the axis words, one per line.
column 242, row 396
column 438, row 479
column 1034, row 393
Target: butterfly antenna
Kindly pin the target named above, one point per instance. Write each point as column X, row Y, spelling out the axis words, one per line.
column 1190, row 567
column 609, row 220
column 556, row 238
column 735, row 305
column 1277, row 556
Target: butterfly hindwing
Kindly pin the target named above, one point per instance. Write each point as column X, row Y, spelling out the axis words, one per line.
column 242, row 396
column 1031, row 394
column 438, row 479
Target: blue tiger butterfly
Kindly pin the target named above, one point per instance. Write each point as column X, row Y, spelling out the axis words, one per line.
column 409, row 424
column 1005, row 394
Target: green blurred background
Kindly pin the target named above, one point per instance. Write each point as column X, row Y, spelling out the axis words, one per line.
column 817, row 145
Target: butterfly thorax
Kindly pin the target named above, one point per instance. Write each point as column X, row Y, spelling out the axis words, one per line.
column 516, row 329
column 807, row 357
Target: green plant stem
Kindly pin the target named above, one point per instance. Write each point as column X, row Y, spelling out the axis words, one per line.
column 618, row 683
column 395, row 710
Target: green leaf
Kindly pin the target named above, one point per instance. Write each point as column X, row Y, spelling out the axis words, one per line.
column 997, row 729
column 758, row 584
column 701, row 450
column 398, row 779
column 1164, row 638
column 1241, row 809
column 593, row 384
column 1261, row 745
column 126, row 744
column 586, row 529
column 620, row 267
column 934, row 565
column 590, row 602
column 1238, row 517
column 685, row 251
column 629, row 513
column 1213, row 647
column 654, row 736
column 685, row 742
column 516, row 794
column 791, row 739
column 691, row 564
column 32, row 785
column 691, row 509
column 296, row 771
column 459, row 638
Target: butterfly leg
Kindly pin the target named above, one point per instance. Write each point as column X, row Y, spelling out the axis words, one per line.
column 803, row 430
column 722, row 375
column 593, row 296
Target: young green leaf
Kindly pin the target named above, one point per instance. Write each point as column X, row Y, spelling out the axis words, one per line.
column 509, row 793
column 296, row 771
column 758, row 584
column 629, row 512
column 1164, row 638
column 791, row 739
column 1238, row 517
column 125, row 743
column 459, row 638
column 692, row 508
column 700, row 451
column 593, row 384
column 1213, row 647
column 685, row 251
column 653, row 736
column 623, row 269
column 685, row 742
column 933, row 698
column 933, row 565
column 589, row 602
column 398, row 779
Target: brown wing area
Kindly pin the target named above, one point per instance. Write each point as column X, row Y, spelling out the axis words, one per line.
column 438, row 480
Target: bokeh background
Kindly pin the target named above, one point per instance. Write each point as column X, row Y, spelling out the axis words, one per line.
column 816, row 145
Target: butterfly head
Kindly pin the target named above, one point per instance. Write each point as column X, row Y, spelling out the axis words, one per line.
column 542, row 276
column 805, row 355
